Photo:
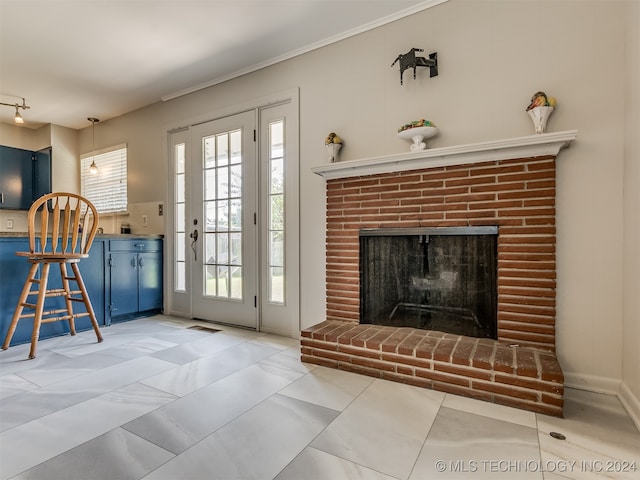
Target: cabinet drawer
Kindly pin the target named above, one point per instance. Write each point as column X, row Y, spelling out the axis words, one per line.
column 135, row 245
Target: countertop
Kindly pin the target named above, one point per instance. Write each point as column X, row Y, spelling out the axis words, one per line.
column 104, row 236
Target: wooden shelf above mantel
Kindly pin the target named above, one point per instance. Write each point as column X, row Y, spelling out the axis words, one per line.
column 518, row 147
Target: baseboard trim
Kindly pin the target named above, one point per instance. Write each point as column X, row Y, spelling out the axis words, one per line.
column 592, row 383
column 608, row 386
column 631, row 403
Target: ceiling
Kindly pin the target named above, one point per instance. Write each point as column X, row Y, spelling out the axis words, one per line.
column 74, row 59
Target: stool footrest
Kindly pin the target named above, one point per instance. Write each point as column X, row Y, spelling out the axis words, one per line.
column 58, row 292
column 64, row 317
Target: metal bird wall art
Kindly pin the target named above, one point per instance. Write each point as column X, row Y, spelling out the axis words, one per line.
column 410, row 60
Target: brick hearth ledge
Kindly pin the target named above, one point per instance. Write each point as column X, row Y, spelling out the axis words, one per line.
column 522, row 377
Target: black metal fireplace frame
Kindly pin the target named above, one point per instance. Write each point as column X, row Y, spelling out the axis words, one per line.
column 427, row 308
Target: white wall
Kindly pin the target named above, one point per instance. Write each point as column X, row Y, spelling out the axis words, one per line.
column 493, row 56
column 630, row 390
column 65, row 176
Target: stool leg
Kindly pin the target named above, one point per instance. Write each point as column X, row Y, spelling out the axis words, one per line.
column 37, row 320
column 67, row 297
column 87, row 301
column 20, row 307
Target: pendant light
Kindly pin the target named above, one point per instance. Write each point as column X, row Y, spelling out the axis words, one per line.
column 93, row 169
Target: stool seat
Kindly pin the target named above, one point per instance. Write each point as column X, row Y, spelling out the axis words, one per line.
column 68, row 224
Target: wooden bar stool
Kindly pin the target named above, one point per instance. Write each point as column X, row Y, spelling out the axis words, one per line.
column 68, row 224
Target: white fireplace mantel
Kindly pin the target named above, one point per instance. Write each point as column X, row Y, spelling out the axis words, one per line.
column 519, row 147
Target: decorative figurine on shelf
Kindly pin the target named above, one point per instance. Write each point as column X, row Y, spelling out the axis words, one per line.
column 333, row 143
column 417, row 131
column 539, row 110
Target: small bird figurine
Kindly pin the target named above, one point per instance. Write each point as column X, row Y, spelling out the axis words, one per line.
column 539, row 99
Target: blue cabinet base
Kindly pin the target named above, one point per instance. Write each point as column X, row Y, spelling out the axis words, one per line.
column 97, row 275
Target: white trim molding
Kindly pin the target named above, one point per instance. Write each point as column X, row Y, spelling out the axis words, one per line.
column 631, row 403
column 307, row 48
column 518, row 147
column 606, row 386
column 592, row 383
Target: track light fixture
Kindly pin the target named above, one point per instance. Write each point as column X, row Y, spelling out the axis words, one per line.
column 17, row 118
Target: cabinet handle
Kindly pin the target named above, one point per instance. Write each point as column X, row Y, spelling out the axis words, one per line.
column 1, row 197
column 134, row 264
column 140, row 245
column 141, row 262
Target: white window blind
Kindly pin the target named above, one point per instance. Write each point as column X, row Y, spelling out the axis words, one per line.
column 107, row 189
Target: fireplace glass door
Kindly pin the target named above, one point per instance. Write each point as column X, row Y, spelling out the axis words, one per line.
column 441, row 279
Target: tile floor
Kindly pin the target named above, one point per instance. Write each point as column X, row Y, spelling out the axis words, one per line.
column 157, row 400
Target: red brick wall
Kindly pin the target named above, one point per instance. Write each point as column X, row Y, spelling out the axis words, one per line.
column 516, row 195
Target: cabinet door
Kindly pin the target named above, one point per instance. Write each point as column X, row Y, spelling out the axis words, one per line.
column 42, row 173
column 13, row 273
column 123, row 268
column 16, row 178
column 150, row 278
column 92, row 270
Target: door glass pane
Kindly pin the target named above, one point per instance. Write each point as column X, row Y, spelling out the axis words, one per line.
column 222, row 156
column 209, row 184
column 223, row 182
column 236, row 181
column 223, row 281
column 276, row 247
column 223, row 216
column 235, row 215
column 179, row 278
column 180, row 239
column 236, row 283
column 180, row 218
column 223, row 186
column 236, row 249
column 236, row 146
column 223, row 248
column 210, row 216
column 209, row 151
column 210, row 276
column 277, row 284
column 210, row 248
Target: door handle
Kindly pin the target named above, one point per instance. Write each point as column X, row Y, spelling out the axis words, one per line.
column 194, row 236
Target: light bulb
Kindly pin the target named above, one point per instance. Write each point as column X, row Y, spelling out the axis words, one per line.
column 18, row 118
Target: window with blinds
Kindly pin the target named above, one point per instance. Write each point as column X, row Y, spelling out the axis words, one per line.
column 107, row 188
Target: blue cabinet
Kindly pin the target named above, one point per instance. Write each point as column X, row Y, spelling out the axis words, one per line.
column 16, row 178
column 24, row 176
column 123, row 279
column 14, row 271
column 41, row 173
column 135, row 271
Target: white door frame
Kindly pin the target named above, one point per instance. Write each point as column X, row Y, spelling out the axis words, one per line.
column 173, row 304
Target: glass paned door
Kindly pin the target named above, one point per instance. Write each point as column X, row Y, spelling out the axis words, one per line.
column 223, row 232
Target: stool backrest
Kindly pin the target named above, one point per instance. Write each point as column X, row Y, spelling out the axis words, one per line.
column 67, row 224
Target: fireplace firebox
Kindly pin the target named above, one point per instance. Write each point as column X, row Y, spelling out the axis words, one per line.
column 441, row 279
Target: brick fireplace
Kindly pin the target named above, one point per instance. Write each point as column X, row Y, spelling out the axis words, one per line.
column 506, row 184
